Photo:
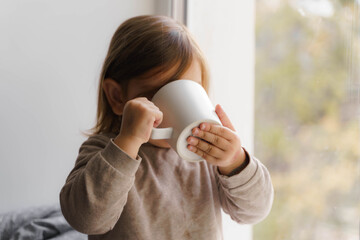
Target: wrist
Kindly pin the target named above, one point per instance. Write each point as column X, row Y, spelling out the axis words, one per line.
column 240, row 162
column 130, row 145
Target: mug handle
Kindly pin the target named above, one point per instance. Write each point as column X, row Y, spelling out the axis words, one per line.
column 161, row 133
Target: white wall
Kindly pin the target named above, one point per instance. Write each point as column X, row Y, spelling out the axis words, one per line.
column 50, row 58
column 225, row 32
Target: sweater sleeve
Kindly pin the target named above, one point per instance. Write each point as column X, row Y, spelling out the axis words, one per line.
column 247, row 196
column 96, row 190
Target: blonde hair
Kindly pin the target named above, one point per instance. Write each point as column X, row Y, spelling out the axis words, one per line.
column 139, row 45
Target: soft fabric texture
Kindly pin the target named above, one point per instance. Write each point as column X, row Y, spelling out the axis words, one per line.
column 43, row 222
column 109, row 195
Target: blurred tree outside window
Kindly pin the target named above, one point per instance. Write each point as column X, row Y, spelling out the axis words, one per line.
column 307, row 113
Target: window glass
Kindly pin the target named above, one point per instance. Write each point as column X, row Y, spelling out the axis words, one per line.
column 307, row 102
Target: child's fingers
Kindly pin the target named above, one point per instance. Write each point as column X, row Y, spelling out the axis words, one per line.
column 223, row 117
column 210, row 159
column 158, row 117
column 154, row 110
column 204, row 146
column 214, row 139
column 218, row 130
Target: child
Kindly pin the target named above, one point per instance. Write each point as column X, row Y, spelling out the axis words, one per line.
column 127, row 186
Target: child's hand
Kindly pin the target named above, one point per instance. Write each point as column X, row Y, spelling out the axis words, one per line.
column 219, row 145
column 139, row 117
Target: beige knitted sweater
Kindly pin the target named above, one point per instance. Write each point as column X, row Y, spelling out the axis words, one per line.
column 109, row 195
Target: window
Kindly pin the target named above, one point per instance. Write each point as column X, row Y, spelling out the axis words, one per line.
column 307, row 102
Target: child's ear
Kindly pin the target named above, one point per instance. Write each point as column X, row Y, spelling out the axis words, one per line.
column 114, row 95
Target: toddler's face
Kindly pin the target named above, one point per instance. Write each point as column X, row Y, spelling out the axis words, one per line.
column 148, row 87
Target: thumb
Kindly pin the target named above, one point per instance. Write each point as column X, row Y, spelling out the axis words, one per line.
column 158, row 118
column 223, row 117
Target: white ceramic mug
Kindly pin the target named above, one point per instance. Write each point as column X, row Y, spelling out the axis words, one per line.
column 184, row 104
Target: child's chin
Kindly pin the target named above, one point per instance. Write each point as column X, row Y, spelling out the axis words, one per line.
column 159, row 143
